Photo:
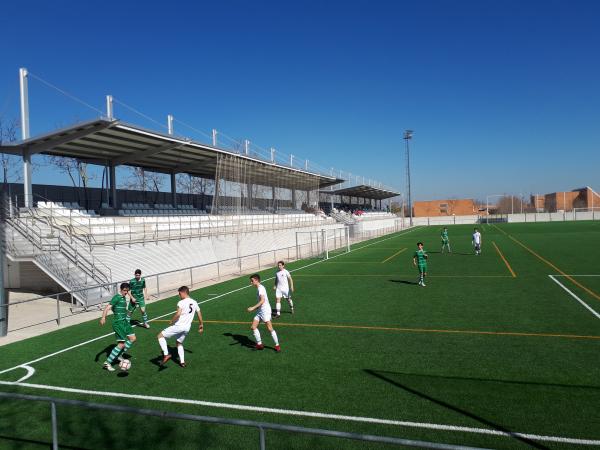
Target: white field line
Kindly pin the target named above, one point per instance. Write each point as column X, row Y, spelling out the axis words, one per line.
column 558, row 275
column 585, row 305
column 200, row 303
column 287, row 412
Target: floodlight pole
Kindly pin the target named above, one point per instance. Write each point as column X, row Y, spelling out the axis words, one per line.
column 214, row 137
column 407, row 137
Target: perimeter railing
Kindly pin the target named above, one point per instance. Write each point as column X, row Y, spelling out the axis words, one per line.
column 160, row 285
column 261, row 427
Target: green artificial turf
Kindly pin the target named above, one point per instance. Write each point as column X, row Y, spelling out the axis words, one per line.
column 492, row 342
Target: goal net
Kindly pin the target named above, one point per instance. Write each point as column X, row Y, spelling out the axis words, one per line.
column 322, row 243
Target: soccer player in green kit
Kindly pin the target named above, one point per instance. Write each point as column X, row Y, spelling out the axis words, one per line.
column 445, row 240
column 420, row 260
column 140, row 293
column 121, row 326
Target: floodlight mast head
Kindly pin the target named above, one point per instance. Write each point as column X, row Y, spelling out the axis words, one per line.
column 408, row 134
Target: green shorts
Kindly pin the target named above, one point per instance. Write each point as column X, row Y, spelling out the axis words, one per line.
column 138, row 302
column 122, row 329
column 444, row 241
column 422, row 268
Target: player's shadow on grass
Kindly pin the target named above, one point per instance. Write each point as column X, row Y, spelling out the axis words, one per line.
column 387, row 377
column 240, row 339
column 404, row 282
column 106, row 351
column 157, row 361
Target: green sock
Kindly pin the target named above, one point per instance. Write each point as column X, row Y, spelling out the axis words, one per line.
column 115, row 352
column 128, row 345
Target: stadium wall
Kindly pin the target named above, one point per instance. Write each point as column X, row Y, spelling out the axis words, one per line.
column 92, row 198
column 511, row 218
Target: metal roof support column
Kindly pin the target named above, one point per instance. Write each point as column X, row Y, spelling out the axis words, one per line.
column 274, row 199
column 27, row 188
column 113, row 186
column 112, row 179
column 249, row 199
column 293, row 198
column 173, row 190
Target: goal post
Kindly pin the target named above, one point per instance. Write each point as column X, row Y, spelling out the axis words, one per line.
column 322, row 243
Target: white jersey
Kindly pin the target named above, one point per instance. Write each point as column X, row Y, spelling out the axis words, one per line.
column 282, row 280
column 477, row 238
column 188, row 307
column 265, row 308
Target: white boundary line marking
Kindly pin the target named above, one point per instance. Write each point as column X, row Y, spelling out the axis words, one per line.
column 558, row 275
column 287, row 412
column 204, row 301
column 585, row 305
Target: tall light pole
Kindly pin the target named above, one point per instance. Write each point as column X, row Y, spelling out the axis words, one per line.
column 407, row 137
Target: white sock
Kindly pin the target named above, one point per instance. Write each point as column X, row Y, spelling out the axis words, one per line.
column 180, row 352
column 278, row 308
column 291, row 303
column 257, row 336
column 274, row 336
column 163, row 345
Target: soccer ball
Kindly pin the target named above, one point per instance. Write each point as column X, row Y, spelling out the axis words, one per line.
column 125, row 365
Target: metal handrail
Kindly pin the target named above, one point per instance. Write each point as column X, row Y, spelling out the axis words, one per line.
column 261, row 426
column 34, row 235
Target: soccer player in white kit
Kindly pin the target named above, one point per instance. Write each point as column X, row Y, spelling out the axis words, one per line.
column 477, row 242
column 180, row 325
column 284, row 285
column 263, row 315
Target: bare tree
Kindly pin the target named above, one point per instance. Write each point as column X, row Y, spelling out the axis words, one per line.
column 10, row 163
column 142, row 180
column 509, row 204
column 78, row 173
column 194, row 186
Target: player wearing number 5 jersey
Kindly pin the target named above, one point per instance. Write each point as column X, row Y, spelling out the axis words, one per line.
column 180, row 325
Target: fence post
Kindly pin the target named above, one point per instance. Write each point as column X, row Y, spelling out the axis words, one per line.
column 191, row 278
column 348, row 239
column 157, row 286
column 58, row 310
column 261, row 438
column 218, row 271
column 54, row 426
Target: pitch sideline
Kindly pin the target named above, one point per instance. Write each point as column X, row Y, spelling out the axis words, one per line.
column 398, row 423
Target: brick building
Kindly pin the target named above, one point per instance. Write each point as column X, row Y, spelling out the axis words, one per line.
column 584, row 197
column 432, row 208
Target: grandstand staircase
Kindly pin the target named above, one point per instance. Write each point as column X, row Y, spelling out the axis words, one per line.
column 63, row 257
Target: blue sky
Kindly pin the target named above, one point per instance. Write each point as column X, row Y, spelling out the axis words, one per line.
column 503, row 95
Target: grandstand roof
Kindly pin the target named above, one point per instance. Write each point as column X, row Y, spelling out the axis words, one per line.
column 104, row 141
column 365, row 191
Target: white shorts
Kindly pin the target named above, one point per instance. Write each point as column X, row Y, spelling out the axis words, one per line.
column 263, row 316
column 279, row 293
column 176, row 331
